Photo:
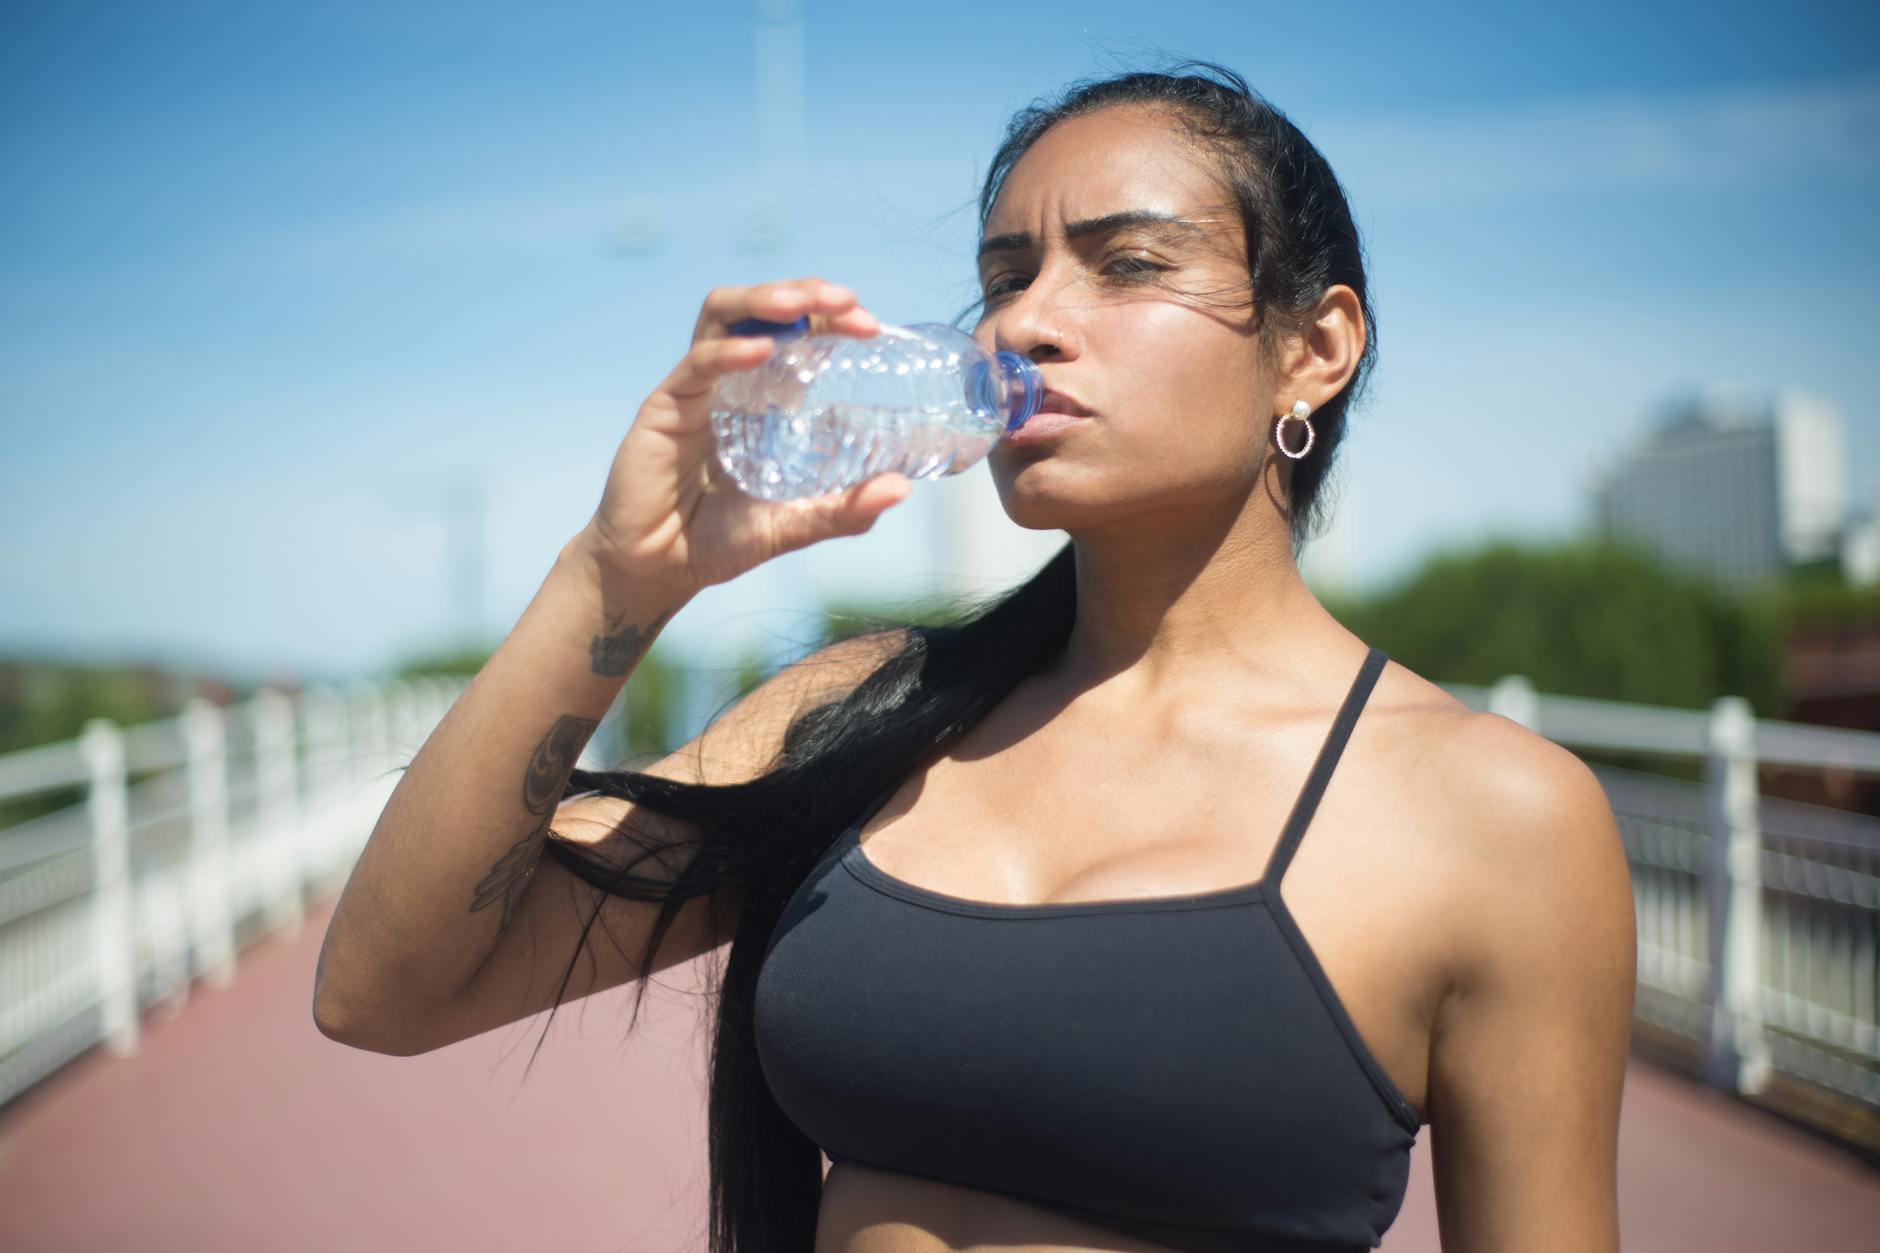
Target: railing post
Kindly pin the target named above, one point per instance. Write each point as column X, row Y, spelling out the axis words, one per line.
column 211, row 871
column 397, row 748
column 107, row 807
column 1737, row 1056
column 276, row 812
column 1512, row 696
column 324, row 801
column 366, row 731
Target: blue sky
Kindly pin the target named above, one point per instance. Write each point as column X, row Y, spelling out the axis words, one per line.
column 274, row 278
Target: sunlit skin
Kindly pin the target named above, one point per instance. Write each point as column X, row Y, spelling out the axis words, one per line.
column 1462, row 883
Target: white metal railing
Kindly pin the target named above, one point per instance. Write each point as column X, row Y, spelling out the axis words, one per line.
column 1759, row 919
column 197, row 835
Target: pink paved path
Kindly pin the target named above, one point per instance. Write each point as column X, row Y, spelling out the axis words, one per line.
column 239, row 1127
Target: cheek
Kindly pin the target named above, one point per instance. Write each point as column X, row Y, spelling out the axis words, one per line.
column 1185, row 409
column 1184, row 380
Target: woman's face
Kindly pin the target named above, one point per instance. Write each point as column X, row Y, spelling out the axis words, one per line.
column 1147, row 324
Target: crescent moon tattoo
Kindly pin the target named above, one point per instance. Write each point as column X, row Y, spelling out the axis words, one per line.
column 554, row 759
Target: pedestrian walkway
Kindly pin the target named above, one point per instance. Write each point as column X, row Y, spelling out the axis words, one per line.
column 239, row 1127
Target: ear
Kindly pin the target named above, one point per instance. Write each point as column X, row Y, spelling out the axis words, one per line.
column 1322, row 356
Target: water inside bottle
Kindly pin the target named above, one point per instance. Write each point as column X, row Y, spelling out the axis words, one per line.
column 782, row 453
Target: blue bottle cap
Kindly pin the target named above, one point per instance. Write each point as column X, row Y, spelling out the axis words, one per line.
column 1026, row 382
column 1007, row 385
column 777, row 330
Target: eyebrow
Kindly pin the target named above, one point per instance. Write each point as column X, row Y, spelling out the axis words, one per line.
column 1109, row 223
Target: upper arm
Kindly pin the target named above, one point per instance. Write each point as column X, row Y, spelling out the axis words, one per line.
column 522, row 974
column 1528, row 1053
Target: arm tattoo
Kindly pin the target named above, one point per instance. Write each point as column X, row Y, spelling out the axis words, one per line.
column 542, row 786
column 620, row 649
column 511, row 874
column 554, row 759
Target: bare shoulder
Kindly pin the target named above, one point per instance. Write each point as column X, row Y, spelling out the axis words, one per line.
column 1529, row 1042
column 1538, row 865
column 1519, row 794
column 742, row 742
column 1514, row 830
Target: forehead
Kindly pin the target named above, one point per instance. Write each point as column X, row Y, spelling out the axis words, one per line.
column 1111, row 161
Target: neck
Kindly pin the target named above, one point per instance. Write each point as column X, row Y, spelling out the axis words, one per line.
column 1162, row 620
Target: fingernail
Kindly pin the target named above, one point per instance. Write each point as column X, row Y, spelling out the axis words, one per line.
column 832, row 292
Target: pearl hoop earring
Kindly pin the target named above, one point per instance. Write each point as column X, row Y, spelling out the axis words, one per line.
column 1299, row 410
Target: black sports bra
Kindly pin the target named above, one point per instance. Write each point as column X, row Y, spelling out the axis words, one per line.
column 1177, row 1068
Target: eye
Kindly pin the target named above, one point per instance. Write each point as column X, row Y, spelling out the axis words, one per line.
column 994, row 290
column 1134, row 266
column 1126, row 267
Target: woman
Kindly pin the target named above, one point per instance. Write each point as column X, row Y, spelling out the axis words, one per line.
column 1009, row 940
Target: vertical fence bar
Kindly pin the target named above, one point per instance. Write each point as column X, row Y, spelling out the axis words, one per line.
column 107, row 807
column 366, row 730
column 324, row 807
column 210, row 869
column 277, row 816
column 1737, row 1055
column 365, row 733
column 1514, row 698
column 401, row 719
column 1866, row 992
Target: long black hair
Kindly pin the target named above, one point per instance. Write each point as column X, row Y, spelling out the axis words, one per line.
column 760, row 838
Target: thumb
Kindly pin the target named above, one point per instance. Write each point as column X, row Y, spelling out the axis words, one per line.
column 855, row 510
column 799, row 523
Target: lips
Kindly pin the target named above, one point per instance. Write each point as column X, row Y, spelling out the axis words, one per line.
column 1057, row 402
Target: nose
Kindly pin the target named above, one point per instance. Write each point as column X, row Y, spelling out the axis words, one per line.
column 1031, row 323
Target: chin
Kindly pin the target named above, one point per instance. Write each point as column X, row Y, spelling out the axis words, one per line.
column 1032, row 500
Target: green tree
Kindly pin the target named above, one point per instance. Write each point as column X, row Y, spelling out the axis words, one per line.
column 648, row 713
column 451, row 663
column 1596, row 619
column 1818, row 596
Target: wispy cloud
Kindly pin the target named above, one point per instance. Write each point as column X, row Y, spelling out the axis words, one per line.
column 553, row 218
column 1736, row 137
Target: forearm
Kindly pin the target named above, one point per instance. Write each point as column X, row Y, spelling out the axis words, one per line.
column 462, row 833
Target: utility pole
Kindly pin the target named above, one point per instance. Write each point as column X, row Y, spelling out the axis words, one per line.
column 466, row 510
column 782, row 124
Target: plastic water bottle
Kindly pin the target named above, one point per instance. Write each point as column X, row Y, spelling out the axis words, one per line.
column 825, row 412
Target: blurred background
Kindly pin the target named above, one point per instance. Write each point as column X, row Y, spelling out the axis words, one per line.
column 322, row 323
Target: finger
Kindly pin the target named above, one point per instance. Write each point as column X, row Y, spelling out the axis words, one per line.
column 710, row 360
column 800, row 523
column 824, row 303
column 856, row 321
column 858, row 508
column 892, row 487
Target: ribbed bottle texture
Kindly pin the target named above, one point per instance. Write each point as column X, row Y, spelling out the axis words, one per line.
column 825, row 412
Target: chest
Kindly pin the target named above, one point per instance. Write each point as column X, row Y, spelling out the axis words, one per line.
column 1157, row 1042
column 1020, row 816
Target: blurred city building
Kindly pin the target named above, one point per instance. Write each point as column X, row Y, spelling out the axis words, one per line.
column 1745, row 487
column 976, row 544
column 1741, row 486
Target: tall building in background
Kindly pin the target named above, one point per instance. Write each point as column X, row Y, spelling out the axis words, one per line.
column 979, row 549
column 1735, row 485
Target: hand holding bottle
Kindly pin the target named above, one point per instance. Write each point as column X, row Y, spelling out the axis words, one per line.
column 669, row 515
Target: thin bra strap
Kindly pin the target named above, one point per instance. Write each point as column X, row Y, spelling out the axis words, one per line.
column 1308, row 802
